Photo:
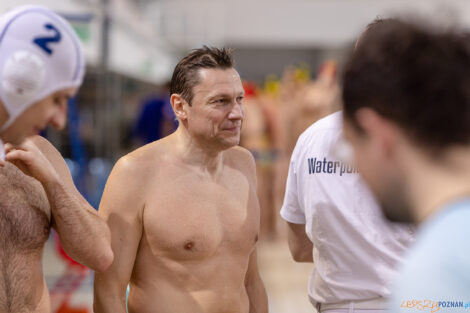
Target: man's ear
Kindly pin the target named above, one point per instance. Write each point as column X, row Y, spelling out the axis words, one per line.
column 380, row 131
column 179, row 106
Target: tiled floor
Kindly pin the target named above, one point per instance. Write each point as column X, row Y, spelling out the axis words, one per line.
column 285, row 281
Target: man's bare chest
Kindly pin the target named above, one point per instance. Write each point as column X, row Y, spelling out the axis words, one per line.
column 24, row 212
column 200, row 218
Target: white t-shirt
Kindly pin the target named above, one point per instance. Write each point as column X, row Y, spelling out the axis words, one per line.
column 355, row 250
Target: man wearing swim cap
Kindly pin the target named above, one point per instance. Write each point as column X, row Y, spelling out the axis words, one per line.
column 41, row 66
column 183, row 211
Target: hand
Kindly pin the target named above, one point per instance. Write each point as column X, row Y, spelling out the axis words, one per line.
column 30, row 160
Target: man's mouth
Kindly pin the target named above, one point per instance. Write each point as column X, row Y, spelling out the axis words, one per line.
column 232, row 129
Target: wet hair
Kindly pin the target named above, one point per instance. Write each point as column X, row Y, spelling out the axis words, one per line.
column 186, row 73
column 416, row 76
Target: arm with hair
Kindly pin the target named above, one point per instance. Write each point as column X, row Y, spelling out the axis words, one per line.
column 83, row 234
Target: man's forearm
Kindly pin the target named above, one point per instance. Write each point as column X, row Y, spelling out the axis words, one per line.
column 304, row 256
column 83, row 234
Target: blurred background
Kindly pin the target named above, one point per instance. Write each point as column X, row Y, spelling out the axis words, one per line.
column 289, row 54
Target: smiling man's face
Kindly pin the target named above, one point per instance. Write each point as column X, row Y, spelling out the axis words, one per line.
column 216, row 112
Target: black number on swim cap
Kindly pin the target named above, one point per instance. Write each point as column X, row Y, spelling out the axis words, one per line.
column 44, row 42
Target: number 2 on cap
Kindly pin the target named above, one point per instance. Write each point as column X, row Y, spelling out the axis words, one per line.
column 45, row 42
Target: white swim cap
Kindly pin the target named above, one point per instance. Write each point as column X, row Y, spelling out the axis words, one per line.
column 40, row 53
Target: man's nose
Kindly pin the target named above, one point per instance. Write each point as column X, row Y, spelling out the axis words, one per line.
column 237, row 112
column 59, row 119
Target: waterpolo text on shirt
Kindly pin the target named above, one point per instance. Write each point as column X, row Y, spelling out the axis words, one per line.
column 317, row 166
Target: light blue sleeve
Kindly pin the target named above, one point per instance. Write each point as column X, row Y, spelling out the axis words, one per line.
column 437, row 271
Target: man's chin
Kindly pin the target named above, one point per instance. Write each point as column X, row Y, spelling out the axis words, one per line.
column 397, row 213
column 230, row 143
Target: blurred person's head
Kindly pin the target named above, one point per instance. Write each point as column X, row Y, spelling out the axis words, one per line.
column 374, row 26
column 407, row 109
column 206, row 96
column 41, row 66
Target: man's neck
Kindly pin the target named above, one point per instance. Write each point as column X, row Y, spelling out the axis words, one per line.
column 3, row 114
column 205, row 157
column 434, row 183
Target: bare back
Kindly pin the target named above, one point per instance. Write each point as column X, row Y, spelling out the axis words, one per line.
column 24, row 229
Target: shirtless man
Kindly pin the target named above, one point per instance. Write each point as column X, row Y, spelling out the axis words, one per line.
column 37, row 191
column 183, row 211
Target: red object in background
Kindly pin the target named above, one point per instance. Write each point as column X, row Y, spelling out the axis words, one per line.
column 327, row 72
column 68, row 283
column 66, row 309
column 63, row 255
column 250, row 88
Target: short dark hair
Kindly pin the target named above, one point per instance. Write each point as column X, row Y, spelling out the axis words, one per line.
column 375, row 25
column 417, row 77
column 186, row 73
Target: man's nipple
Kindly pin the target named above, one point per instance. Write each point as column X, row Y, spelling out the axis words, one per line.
column 189, row 245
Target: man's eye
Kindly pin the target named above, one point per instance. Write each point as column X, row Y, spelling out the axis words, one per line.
column 60, row 100
column 240, row 99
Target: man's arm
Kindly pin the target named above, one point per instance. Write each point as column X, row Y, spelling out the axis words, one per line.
column 293, row 213
column 122, row 208
column 83, row 234
column 255, row 287
column 300, row 245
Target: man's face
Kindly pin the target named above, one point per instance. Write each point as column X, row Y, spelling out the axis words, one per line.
column 216, row 112
column 51, row 110
column 375, row 159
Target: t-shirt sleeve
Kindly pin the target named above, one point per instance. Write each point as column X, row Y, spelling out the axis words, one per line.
column 292, row 210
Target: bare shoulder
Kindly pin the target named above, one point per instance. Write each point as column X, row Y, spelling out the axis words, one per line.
column 45, row 147
column 127, row 188
column 135, row 163
column 55, row 158
column 243, row 160
column 140, row 165
column 241, row 154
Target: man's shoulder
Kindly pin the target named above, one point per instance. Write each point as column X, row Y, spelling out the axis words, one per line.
column 239, row 151
column 242, row 159
column 449, row 221
column 321, row 134
column 447, row 230
column 332, row 123
column 448, row 225
column 240, row 156
column 45, row 147
column 438, row 259
column 141, row 161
